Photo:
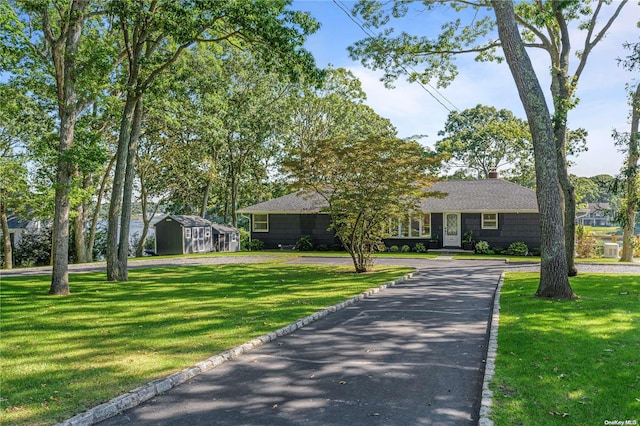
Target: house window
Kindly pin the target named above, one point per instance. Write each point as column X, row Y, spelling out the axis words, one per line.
column 489, row 220
column 260, row 223
column 187, row 233
column 234, row 237
column 412, row 226
column 426, row 225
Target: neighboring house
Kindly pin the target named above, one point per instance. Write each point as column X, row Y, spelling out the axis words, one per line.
column 596, row 214
column 182, row 234
column 494, row 210
column 18, row 226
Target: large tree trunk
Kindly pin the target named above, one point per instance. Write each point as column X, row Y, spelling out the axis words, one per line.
column 146, row 218
column 96, row 212
column 65, row 62
column 562, row 91
column 632, row 198
column 205, row 199
column 6, row 238
column 554, row 280
column 127, row 196
column 115, row 206
column 80, row 226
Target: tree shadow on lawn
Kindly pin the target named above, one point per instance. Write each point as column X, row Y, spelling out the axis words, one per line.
column 106, row 338
column 575, row 358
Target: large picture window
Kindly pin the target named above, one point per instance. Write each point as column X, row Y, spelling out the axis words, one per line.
column 260, row 223
column 413, row 226
column 489, row 220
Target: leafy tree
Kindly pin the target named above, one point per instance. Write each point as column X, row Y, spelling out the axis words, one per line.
column 367, row 182
column 51, row 41
column 155, row 34
column 586, row 189
column 20, row 124
column 630, row 173
column 544, row 25
column 482, row 139
column 331, row 109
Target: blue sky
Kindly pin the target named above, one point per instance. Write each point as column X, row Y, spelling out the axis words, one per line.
column 603, row 98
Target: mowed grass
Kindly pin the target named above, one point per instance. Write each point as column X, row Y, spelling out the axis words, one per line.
column 62, row 355
column 572, row 362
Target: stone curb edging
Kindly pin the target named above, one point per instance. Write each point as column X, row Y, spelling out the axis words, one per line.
column 490, row 365
column 156, row 387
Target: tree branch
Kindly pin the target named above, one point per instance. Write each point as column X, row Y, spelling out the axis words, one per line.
column 588, row 45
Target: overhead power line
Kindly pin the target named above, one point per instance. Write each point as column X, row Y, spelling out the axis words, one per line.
column 373, row 36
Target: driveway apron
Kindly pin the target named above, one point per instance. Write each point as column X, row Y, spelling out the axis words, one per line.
column 412, row 354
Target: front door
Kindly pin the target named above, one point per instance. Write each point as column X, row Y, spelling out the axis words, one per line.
column 451, row 230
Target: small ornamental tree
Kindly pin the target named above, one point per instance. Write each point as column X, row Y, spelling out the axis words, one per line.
column 366, row 182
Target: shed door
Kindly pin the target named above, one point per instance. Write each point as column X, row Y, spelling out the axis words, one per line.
column 198, row 239
column 452, row 230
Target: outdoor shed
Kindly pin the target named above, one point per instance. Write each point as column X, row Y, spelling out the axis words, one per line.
column 182, row 234
column 225, row 238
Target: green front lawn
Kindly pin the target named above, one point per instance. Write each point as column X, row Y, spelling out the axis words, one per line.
column 568, row 363
column 62, row 355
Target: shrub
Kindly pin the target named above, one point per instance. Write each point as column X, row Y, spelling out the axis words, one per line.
column 420, row 248
column 482, row 247
column 322, row 247
column 255, row 245
column 405, row 249
column 150, row 243
column 336, row 247
column 245, row 240
column 34, row 248
column 305, row 243
column 394, row 249
column 518, row 249
column 534, row 252
column 586, row 246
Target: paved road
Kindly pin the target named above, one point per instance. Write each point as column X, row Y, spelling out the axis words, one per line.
column 412, row 354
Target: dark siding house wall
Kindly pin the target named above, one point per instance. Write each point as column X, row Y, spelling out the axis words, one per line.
column 168, row 237
column 512, row 227
column 286, row 230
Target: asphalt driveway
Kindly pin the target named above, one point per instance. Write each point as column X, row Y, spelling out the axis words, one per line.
column 412, row 354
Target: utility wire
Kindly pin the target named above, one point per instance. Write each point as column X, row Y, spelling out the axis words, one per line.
column 373, row 36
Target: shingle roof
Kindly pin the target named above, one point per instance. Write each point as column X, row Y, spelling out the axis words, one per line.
column 481, row 195
column 217, row 228
column 17, row 223
column 462, row 196
column 188, row 220
column 296, row 202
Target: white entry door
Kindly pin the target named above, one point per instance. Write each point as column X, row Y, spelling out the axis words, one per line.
column 452, row 236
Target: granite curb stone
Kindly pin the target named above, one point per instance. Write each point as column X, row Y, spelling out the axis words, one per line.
column 156, row 387
column 490, row 365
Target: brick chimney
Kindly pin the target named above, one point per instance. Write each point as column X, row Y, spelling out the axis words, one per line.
column 493, row 174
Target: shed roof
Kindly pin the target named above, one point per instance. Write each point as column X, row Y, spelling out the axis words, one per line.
column 187, row 220
column 222, row 229
column 495, row 195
